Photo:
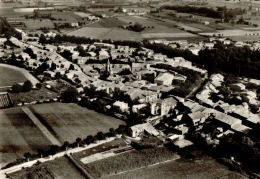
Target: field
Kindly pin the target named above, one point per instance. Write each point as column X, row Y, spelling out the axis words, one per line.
column 33, row 95
column 201, row 168
column 38, row 24
column 10, row 75
column 129, row 161
column 106, row 33
column 18, row 135
column 70, row 121
column 58, row 168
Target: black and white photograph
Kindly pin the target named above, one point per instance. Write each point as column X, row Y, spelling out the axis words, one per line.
column 129, row 89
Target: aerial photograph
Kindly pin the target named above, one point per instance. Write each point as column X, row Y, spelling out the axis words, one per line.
column 129, row 89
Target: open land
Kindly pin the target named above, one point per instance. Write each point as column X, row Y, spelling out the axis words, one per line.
column 18, row 135
column 70, row 121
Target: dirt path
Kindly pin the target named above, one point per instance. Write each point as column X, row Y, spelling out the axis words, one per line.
column 44, row 130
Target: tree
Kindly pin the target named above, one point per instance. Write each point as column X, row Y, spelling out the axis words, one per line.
column 17, row 88
column 71, row 67
column 89, row 139
column 65, row 145
column 39, row 85
column 53, row 66
column 69, row 95
column 78, row 141
column 100, row 136
column 27, row 86
column 27, row 155
column 112, row 131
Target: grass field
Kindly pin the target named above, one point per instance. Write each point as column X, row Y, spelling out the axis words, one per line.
column 69, row 121
column 10, row 75
column 58, row 168
column 18, row 135
column 202, row 168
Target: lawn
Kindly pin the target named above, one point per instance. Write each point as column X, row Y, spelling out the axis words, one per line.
column 70, row 121
column 9, row 76
column 58, row 168
column 18, row 135
column 200, row 168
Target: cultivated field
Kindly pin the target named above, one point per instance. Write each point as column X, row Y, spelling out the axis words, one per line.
column 18, row 135
column 70, row 121
column 58, row 168
column 106, row 33
column 129, row 161
column 10, row 75
column 201, row 168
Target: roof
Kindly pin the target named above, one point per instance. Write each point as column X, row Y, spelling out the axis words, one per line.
column 145, row 127
column 183, row 143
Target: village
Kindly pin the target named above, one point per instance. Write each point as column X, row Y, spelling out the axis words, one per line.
column 169, row 99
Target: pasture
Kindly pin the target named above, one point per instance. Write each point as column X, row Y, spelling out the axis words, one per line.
column 18, row 135
column 70, row 121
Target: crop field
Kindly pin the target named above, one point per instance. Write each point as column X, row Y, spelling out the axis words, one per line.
column 129, row 161
column 33, row 95
column 38, row 24
column 108, row 23
column 202, row 168
column 58, row 168
column 18, row 135
column 70, row 121
column 106, row 33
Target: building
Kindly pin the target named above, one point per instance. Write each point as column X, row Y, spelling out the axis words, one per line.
column 164, row 79
column 136, row 130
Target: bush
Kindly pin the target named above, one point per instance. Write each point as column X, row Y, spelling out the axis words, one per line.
column 17, row 88
column 27, row 86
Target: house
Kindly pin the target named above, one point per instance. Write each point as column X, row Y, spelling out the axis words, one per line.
column 164, row 79
column 136, row 130
column 120, row 106
column 103, row 54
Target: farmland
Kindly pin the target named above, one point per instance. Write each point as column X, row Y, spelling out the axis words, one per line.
column 130, row 161
column 205, row 167
column 70, row 121
column 58, row 168
column 18, row 135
